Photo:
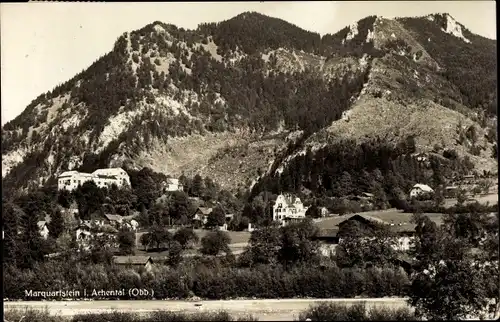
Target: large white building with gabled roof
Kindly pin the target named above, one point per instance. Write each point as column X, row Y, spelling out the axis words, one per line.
column 103, row 178
column 288, row 208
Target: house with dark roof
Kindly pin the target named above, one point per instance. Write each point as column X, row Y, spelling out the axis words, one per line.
column 405, row 231
column 135, row 262
column 200, row 217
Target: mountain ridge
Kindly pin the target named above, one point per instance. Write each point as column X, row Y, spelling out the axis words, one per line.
column 163, row 93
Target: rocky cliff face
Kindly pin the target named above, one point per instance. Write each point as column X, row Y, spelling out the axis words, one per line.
column 225, row 99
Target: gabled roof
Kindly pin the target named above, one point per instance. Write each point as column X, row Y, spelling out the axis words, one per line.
column 67, row 174
column 424, row 187
column 131, row 260
column 113, row 217
column 109, row 171
column 83, row 225
column 366, row 218
column 205, row 210
column 288, row 199
column 41, row 224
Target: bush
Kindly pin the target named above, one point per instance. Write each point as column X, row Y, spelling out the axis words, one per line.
column 214, row 279
column 36, row 315
column 334, row 312
column 31, row 314
column 165, row 316
column 356, row 312
column 106, row 317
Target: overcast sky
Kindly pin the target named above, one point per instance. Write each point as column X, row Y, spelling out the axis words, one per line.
column 45, row 44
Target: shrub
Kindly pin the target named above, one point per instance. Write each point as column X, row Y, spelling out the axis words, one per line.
column 175, row 316
column 214, row 278
column 386, row 314
column 334, row 312
column 355, row 312
column 31, row 314
column 159, row 316
column 106, row 317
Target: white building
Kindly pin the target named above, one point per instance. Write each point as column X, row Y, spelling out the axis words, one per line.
column 420, row 189
column 70, row 180
column 173, row 185
column 43, row 229
column 287, row 209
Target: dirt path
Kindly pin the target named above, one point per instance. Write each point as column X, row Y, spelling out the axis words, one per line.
column 264, row 310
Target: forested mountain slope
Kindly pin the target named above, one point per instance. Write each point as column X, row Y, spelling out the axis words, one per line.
column 228, row 98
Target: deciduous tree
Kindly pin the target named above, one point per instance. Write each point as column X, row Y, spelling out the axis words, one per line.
column 215, row 242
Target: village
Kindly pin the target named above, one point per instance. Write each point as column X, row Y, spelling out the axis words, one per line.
column 286, row 209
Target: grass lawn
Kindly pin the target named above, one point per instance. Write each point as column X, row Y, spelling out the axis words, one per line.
column 239, row 240
column 492, row 198
column 391, row 215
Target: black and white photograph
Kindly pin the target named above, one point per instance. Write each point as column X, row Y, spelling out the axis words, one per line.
column 249, row 161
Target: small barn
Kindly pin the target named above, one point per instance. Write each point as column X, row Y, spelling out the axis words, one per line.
column 136, row 262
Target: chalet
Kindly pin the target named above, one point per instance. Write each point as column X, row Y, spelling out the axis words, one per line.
column 404, row 231
column 287, row 209
column 172, row 185
column 420, row 190
column 450, row 191
column 70, row 180
column 43, row 229
column 201, row 216
column 83, row 232
column 328, row 241
column 113, row 220
column 365, row 199
column 135, row 262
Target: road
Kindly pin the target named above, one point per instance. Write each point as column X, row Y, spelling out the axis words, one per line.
column 264, row 310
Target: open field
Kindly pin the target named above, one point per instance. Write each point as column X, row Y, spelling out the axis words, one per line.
column 492, row 198
column 390, row 215
column 237, row 237
column 239, row 240
column 264, row 310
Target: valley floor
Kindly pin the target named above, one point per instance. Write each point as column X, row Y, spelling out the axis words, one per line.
column 264, row 310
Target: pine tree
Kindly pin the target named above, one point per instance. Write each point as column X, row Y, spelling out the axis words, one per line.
column 197, row 186
column 56, row 224
column 31, row 243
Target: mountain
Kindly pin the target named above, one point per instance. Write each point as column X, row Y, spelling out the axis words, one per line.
column 240, row 99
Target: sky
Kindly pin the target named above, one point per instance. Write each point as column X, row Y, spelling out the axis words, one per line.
column 43, row 44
